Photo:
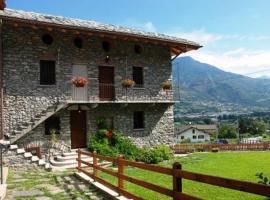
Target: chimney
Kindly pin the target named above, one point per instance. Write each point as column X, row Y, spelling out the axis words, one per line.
column 2, row 4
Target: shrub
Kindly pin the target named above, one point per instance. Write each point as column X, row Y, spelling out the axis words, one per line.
column 186, row 141
column 263, row 179
column 215, row 149
column 118, row 144
column 155, row 155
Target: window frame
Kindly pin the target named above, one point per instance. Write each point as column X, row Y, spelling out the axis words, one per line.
column 43, row 82
column 194, row 137
column 201, row 136
column 142, row 120
column 141, row 85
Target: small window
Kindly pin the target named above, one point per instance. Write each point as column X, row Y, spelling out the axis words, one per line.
column 193, row 131
column 138, row 120
column 47, row 39
column 47, row 72
column 138, row 49
column 78, row 42
column 194, row 137
column 52, row 124
column 182, row 137
column 201, row 137
column 106, row 46
column 137, row 73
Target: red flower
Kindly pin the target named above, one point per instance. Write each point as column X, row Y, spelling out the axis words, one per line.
column 79, row 81
column 109, row 133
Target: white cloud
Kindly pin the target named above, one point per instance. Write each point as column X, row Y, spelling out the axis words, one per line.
column 204, row 37
column 142, row 25
column 241, row 61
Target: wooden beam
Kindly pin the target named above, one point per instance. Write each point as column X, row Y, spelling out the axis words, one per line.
column 63, row 30
column 49, row 29
column 34, row 27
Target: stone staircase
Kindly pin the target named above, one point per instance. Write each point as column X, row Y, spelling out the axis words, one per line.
column 26, row 127
column 29, row 156
column 68, row 160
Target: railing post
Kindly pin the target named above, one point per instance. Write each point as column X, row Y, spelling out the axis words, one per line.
column 177, row 181
column 94, row 165
column 79, row 160
column 121, row 167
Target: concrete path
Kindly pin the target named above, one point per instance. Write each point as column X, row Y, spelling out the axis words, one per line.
column 49, row 186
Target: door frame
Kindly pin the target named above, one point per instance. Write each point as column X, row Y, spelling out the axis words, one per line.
column 83, row 129
column 113, row 82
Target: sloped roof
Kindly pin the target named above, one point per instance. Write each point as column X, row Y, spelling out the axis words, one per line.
column 10, row 14
column 205, row 128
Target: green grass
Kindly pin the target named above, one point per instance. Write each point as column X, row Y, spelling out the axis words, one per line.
column 236, row 165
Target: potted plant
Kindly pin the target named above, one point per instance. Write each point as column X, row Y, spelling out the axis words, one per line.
column 127, row 83
column 79, row 81
column 166, row 85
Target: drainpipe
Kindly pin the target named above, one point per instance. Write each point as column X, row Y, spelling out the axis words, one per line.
column 1, row 81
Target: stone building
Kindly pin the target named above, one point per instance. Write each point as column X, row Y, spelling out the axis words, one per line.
column 41, row 53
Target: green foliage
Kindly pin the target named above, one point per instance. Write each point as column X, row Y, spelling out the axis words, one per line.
column 227, row 131
column 155, row 155
column 263, row 179
column 53, row 138
column 119, row 144
column 257, row 127
column 187, row 140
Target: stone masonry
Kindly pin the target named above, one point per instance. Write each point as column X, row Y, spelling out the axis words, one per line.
column 24, row 97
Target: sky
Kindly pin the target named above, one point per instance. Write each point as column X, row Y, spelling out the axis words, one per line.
column 235, row 34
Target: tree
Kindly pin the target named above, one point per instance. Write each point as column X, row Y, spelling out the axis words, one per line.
column 227, row 131
column 257, row 127
column 207, row 121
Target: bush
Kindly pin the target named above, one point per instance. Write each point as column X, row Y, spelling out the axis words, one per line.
column 187, row 140
column 215, row 149
column 155, row 155
column 118, row 144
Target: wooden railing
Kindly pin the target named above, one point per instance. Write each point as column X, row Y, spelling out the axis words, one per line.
column 175, row 172
column 184, row 148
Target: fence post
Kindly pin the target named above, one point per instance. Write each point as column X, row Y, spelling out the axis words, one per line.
column 177, row 181
column 79, row 160
column 94, row 165
column 121, row 166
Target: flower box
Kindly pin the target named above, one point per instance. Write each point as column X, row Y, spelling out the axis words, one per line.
column 128, row 83
column 166, row 85
column 79, row 81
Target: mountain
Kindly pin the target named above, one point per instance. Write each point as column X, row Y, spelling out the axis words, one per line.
column 202, row 84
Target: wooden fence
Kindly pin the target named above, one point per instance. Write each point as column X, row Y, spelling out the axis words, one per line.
column 175, row 172
column 185, row 148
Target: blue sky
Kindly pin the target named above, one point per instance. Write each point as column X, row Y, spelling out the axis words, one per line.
column 235, row 33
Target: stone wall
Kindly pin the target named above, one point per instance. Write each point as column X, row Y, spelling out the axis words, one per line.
column 23, row 49
column 37, row 136
column 158, row 122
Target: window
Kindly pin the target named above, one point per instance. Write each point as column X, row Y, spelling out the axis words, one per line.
column 193, row 131
column 201, row 137
column 194, row 137
column 78, row 42
column 106, row 46
column 47, row 72
column 47, row 39
column 138, row 120
column 182, row 137
column 137, row 73
column 138, row 49
column 52, row 123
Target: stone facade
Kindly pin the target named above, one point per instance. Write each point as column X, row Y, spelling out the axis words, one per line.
column 24, row 97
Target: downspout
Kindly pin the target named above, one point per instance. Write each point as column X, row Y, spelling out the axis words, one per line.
column 1, row 81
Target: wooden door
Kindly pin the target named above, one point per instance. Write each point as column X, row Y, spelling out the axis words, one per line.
column 79, row 93
column 78, row 129
column 106, row 83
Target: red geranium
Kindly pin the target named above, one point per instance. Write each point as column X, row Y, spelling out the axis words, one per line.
column 109, row 134
column 79, row 81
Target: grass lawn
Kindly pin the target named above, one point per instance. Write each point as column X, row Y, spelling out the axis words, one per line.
column 236, row 165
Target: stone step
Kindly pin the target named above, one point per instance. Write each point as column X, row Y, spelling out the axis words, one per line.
column 13, row 147
column 48, row 166
column 73, row 152
column 41, row 162
column 34, row 159
column 61, row 158
column 68, row 162
column 20, row 151
column 27, row 155
column 15, row 132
